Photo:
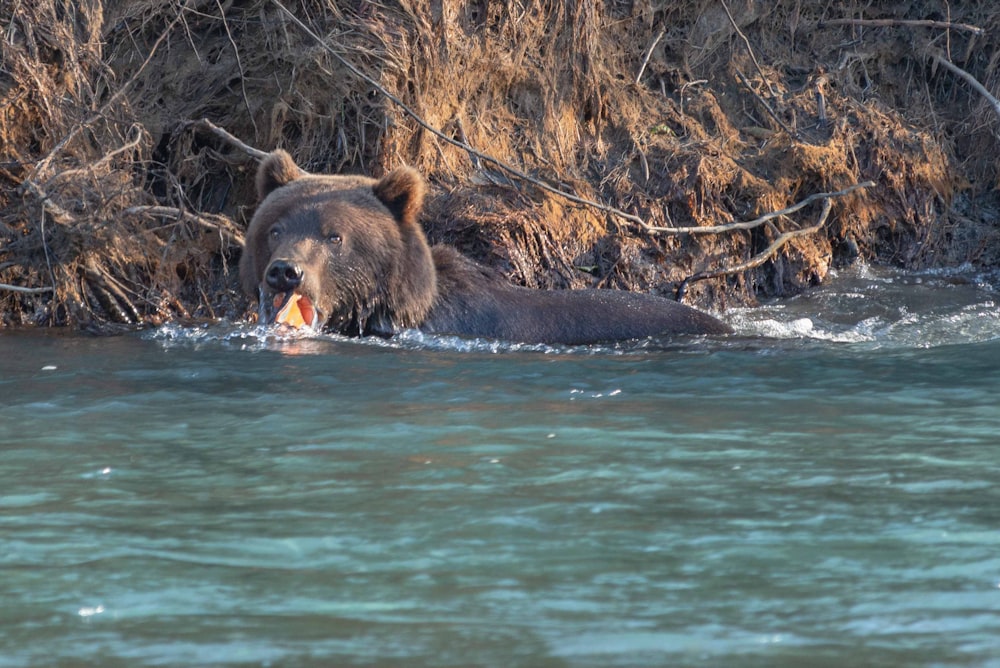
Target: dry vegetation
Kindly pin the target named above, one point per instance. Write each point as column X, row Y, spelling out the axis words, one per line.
column 116, row 206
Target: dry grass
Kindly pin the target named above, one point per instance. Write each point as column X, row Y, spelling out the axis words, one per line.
column 116, row 209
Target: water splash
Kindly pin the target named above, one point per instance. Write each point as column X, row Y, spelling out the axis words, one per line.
column 883, row 308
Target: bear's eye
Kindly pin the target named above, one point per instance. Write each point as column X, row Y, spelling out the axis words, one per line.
column 334, row 239
column 275, row 233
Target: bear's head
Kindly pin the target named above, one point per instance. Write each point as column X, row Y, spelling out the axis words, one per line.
column 342, row 252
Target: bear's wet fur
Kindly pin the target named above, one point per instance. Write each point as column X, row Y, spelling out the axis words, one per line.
column 354, row 248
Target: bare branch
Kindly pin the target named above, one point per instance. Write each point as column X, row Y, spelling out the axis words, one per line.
column 239, row 65
column 28, row 291
column 649, row 53
column 759, row 258
column 756, row 222
column 209, row 126
column 971, row 80
column 888, row 23
column 136, row 130
column 746, row 42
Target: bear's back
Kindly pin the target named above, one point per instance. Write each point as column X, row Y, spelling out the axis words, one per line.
column 475, row 301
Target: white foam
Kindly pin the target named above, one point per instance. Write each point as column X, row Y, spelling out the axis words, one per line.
column 876, row 307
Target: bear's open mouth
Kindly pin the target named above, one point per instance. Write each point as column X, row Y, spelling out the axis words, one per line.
column 292, row 309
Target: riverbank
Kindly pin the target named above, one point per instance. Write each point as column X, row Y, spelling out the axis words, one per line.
column 120, row 207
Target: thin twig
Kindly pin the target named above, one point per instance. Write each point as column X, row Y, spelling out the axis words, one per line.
column 820, row 83
column 746, row 41
column 947, row 33
column 759, row 258
column 756, row 222
column 767, row 107
column 239, row 65
column 980, row 88
column 886, row 23
column 23, row 290
column 649, row 53
column 89, row 168
column 59, row 214
column 451, row 140
column 45, row 249
column 683, row 90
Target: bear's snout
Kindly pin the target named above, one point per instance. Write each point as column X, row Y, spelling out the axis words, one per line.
column 283, row 276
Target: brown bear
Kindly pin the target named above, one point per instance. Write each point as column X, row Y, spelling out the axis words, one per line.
column 346, row 253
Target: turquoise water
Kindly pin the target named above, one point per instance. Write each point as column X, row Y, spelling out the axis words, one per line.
column 819, row 490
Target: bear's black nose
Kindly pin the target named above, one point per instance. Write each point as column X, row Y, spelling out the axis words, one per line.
column 283, row 276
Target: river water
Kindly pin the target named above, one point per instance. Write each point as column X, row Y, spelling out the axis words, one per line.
column 820, row 489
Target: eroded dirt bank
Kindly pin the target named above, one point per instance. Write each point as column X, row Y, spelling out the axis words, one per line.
column 117, row 206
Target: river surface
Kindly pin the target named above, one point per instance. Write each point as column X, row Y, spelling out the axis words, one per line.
column 821, row 489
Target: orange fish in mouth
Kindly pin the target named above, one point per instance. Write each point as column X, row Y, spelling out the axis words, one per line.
column 294, row 310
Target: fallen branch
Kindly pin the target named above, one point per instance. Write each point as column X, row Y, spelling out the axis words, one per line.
column 757, row 222
column 971, row 80
column 759, row 258
column 888, row 23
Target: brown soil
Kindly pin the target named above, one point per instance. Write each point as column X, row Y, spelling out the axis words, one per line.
column 116, row 207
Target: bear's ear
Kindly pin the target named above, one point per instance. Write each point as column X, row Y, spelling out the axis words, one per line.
column 276, row 170
column 402, row 191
